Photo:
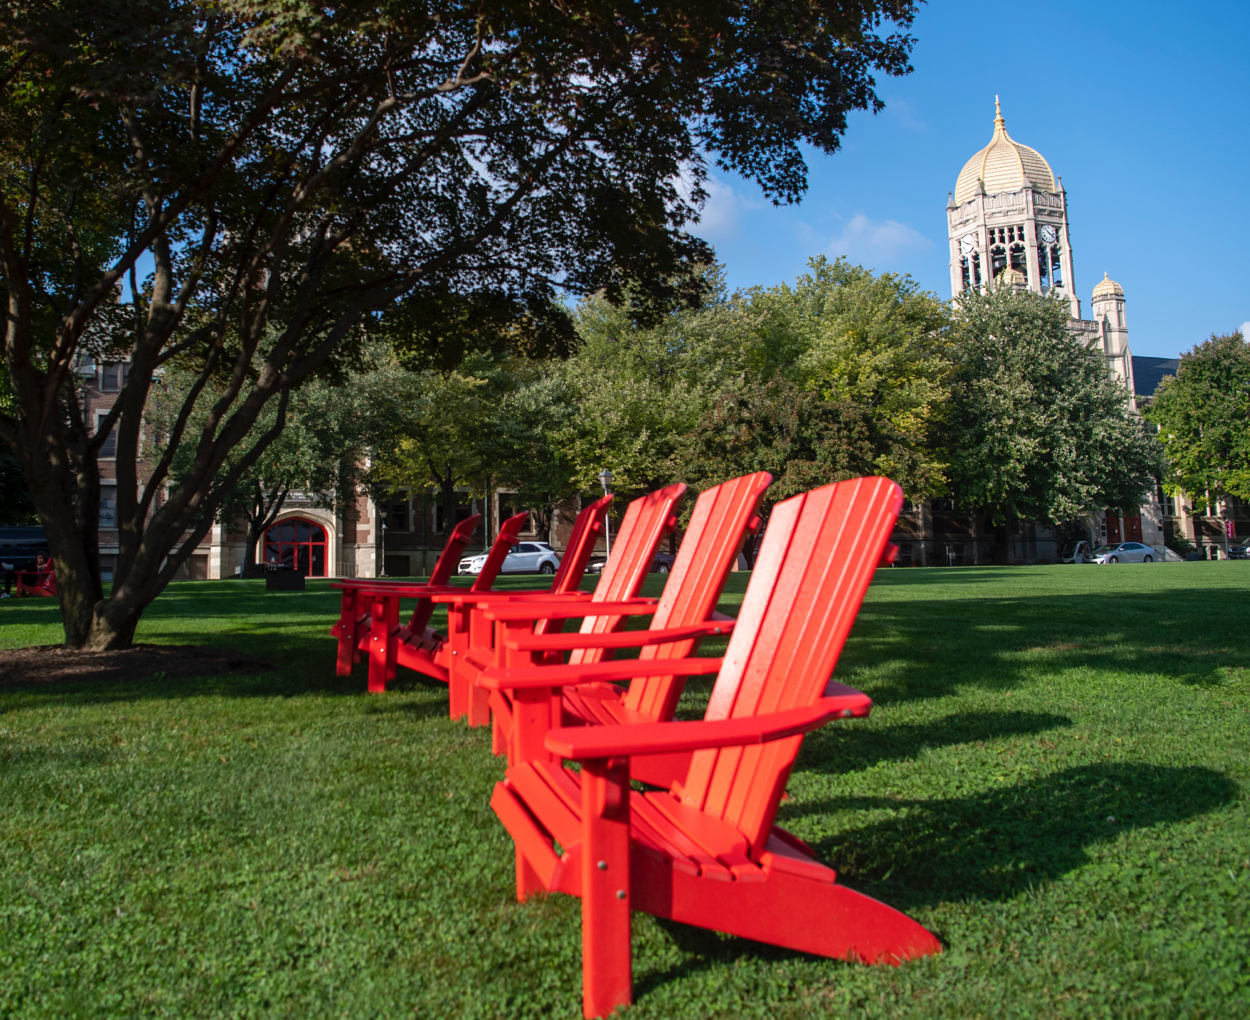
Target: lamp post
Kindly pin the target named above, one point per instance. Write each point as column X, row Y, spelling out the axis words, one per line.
column 382, row 572
column 605, row 479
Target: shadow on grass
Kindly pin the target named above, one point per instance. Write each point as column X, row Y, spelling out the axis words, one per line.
column 931, row 647
column 995, row 844
column 840, row 749
column 990, row 846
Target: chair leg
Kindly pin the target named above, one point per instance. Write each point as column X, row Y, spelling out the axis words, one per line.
column 527, row 881
column 392, row 639
column 347, row 634
column 607, row 976
column 479, row 707
column 377, row 647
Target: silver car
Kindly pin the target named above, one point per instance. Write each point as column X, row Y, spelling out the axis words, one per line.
column 526, row 558
column 1125, row 552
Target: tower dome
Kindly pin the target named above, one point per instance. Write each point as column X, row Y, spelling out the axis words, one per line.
column 1106, row 287
column 1003, row 165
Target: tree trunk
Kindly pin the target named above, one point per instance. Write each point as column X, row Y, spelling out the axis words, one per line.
column 448, row 483
column 113, row 624
column 1004, row 542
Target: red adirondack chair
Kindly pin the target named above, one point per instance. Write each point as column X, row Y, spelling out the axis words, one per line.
column 355, row 628
column 722, row 518
column 410, row 646
column 647, row 520
column 41, row 584
column 707, row 853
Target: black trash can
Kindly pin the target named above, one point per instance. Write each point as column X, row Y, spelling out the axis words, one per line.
column 279, row 577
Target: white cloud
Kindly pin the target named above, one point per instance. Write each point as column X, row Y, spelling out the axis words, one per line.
column 721, row 212
column 1245, row 330
column 905, row 114
column 876, row 242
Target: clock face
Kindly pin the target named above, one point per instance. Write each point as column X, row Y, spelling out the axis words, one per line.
column 1049, row 234
column 968, row 243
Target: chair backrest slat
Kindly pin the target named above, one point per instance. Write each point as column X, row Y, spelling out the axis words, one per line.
column 647, row 520
column 504, row 541
column 459, row 539
column 722, row 517
column 818, row 557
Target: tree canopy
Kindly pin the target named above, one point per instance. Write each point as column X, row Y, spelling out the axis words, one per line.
column 1037, row 429
column 282, row 174
column 1203, row 417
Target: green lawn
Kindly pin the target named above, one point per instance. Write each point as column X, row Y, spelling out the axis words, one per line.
column 1052, row 780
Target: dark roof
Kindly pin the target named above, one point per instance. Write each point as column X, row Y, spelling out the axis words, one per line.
column 1149, row 372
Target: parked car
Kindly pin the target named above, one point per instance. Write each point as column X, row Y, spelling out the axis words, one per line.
column 662, row 564
column 1076, row 552
column 526, row 558
column 1240, row 551
column 1125, row 552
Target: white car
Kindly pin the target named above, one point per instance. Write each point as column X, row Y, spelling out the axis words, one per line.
column 1076, row 552
column 526, row 558
column 1125, row 552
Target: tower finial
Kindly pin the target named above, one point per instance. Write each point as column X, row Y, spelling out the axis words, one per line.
column 999, row 123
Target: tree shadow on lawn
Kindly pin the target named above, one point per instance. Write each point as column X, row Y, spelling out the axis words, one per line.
column 995, row 844
column 284, row 682
column 853, row 748
column 989, row 846
column 933, row 647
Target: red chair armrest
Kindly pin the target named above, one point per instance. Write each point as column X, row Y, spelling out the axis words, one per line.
column 584, row 743
column 563, row 610
column 464, row 597
column 533, row 677
column 618, row 639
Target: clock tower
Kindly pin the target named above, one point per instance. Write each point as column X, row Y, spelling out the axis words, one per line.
column 1007, row 220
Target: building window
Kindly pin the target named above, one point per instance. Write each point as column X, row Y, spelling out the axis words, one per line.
column 998, row 261
column 108, row 506
column 1056, row 267
column 298, row 544
column 970, row 268
column 1166, row 502
column 108, row 449
column 397, row 515
column 113, row 377
column 1018, row 259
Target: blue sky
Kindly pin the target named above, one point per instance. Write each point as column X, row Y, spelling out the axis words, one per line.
column 1143, row 109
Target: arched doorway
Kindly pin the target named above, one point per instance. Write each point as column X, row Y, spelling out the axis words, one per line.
column 297, row 543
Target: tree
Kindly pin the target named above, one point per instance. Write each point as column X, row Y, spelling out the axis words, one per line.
column 430, row 427
column 1203, row 417
column 16, row 505
column 521, row 442
column 317, row 452
column 290, row 171
column 1037, row 429
column 877, row 342
column 801, row 437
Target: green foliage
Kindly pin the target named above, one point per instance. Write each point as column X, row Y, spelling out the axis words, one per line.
column 1037, row 429
column 878, row 342
column 802, row 438
column 1063, row 802
column 16, row 504
column 1203, row 417
column 293, row 172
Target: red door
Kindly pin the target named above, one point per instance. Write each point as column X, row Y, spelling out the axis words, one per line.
column 1113, row 528
column 297, row 543
column 1132, row 528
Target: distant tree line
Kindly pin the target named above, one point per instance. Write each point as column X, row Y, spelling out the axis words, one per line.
column 993, row 402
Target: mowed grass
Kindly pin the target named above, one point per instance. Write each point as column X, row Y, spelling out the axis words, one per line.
column 1053, row 780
